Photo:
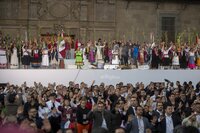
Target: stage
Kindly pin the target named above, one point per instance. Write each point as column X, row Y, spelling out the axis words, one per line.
column 63, row 76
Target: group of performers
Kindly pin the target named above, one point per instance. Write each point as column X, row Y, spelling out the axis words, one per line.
column 52, row 55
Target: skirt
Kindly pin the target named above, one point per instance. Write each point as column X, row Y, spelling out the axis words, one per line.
column 166, row 61
column 198, row 61
column 14, row 61
column 26, row 59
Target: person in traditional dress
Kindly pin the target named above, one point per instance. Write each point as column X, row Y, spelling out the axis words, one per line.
column 79, row 58
column 99, row 46
column 183, row 58
column 166, row 59
column 26, row 58
column 91, row 53
column 198, row 58
column 125, row 54
column 3, row 59
column 62, row 53
column 36, row 57
column 115, row 54
column 14, row 62
column 135, row 52
column 110, row 56
column 155, row 58
column 141, row 56
column 45, row 57
column 68, row 48
column 191, row 59
column 175, row 61
column 54, row 57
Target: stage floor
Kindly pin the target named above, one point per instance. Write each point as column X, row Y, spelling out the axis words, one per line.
column 63, row 76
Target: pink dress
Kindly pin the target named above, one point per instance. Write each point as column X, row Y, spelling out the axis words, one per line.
column 92, row 55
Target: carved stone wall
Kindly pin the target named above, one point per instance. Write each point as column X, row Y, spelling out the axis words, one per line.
column 91, row 19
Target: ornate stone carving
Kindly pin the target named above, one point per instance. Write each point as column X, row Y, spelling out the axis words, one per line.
column 58, row 28
column 59, row 9
column 75, row 10
column 42, row 8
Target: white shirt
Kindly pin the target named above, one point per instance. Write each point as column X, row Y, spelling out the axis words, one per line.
column 42, row 111
column 50, row 105
column 140, row 124
column 134, row 109
column 169, row 124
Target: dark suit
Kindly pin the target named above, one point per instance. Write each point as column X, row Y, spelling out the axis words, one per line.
column 162, row 125
column 117, row 119
column 97, row 118
column 157, row 113
column 133, row 127
column 130, row 111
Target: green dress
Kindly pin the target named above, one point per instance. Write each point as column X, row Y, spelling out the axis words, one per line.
column 79, row 58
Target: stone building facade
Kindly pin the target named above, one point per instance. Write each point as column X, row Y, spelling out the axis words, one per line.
column 93, row 19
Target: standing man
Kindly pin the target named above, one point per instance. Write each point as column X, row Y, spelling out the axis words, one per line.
column 138, row 123
column 101, row 117
column 170, row 121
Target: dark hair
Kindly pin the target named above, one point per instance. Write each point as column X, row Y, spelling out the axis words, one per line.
column 137, row 107
column 32, row 107
column 100, row 102
column 168, row 105
column 11, row 98
column 153, row 115
column 158, row 103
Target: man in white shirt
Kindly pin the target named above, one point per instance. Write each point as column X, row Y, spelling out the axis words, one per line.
column 170, row 121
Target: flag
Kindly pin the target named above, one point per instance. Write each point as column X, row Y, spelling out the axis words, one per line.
column 62, row 49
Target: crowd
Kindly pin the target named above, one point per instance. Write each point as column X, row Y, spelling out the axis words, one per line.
column 51, row 53
column 81, row 108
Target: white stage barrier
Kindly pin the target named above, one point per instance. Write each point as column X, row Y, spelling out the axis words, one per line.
column 63, row 76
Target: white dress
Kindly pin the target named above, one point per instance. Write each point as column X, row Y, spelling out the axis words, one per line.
column 115, row 58
column 14, row 59
column 45, row 58
column 99, row 55
column 175, row 61
column 3, row 59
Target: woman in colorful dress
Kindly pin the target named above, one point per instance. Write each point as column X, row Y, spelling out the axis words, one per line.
column 91, row 53
column 3, row 59
column 14, row 62
column 79, row 58
column 141, row 56
column 191, row 59
column 36, row 58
